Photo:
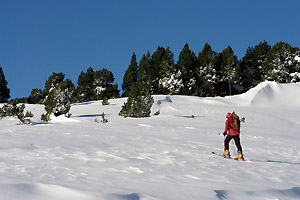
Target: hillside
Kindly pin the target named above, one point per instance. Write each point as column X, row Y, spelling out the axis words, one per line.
column 165, row 157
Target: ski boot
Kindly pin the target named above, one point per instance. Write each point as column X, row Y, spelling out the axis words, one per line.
column 226, row 154
column 239, row 156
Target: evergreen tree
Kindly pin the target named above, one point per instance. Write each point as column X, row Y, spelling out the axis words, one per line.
column 36, row 97
column 96, row 85
column 140, row 101
column 169, row 78
column 207, row 71
column 103, row 85
column 161, row 59
column 229, row 70
column 253, row 65
column 187, row 65
column 131, row 76
column 105, row 101
column 157, row 67
column 19, row 100
column 52, row 81
column 281, row 63
column 13, row 109
column 144, row 72
column 85, row 89
column 59, row 98
column 170, row 81
column 4, row 90
column 295, row 75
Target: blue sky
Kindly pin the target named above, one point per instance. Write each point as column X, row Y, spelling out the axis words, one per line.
column 38, row 37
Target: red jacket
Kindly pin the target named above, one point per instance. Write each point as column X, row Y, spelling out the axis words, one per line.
column 229, row 125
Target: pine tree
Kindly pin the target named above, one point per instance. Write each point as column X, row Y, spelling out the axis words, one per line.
column 13, row 109
column 59, row 98
column 36, row 97
column 58, row 95
column 253, row 65
column 161, row 58
column 52, row 81
column 281, row 63
column 103, row 85
column 4, row 90
column 131, row 76
column 85, row 89
column 187, row 66
column 144, row 72
column 295, row 73
column 105, row 101
column 207, row 71
column 229, row 71
column 170, row 81
column 169, row 78
column 140, row 101
column 95, row 85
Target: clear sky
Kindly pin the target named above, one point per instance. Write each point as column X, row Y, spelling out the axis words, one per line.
column 38, row 37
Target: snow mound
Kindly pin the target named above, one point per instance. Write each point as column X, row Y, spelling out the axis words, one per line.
column 266, row 94
column 275, row 94
column 39, row 191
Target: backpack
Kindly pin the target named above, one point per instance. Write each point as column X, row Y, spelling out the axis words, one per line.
column 236, row 123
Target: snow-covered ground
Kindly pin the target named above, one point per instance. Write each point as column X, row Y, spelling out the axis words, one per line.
column 165, row 157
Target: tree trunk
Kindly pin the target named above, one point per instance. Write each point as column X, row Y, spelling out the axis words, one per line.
column 229, row 87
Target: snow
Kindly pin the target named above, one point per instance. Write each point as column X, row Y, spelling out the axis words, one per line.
column 158, row 158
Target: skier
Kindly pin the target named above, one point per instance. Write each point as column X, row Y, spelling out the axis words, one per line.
column 232, row 126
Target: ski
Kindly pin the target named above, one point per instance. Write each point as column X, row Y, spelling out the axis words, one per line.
column 221, row 155
column 241, row 159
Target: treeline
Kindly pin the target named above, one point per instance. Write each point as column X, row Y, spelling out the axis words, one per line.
column 91, row 85
column 213, row 74
column 207, row 74
column 59, row 93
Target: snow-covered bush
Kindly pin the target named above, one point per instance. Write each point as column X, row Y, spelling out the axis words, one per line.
column 157, row 113
column 105, row 101
column 59, row 99
column 103, row 120
column 45, row 117
column 12, row 109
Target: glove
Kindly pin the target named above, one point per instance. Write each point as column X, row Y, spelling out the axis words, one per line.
column 225, row 133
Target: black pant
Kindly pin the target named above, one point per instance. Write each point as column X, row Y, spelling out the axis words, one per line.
column 236, row 140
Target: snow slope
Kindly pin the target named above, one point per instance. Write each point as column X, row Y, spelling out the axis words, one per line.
column 165, row 157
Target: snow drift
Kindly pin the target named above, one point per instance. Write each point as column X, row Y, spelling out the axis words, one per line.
column 265, row 94
column 275, row 94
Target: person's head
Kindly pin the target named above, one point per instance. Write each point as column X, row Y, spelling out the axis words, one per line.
column 228, row 115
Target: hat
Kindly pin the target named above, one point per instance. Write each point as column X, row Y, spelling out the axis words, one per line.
column 228, row 115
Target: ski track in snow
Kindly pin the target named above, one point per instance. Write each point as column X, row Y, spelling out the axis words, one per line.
column 159, row 158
